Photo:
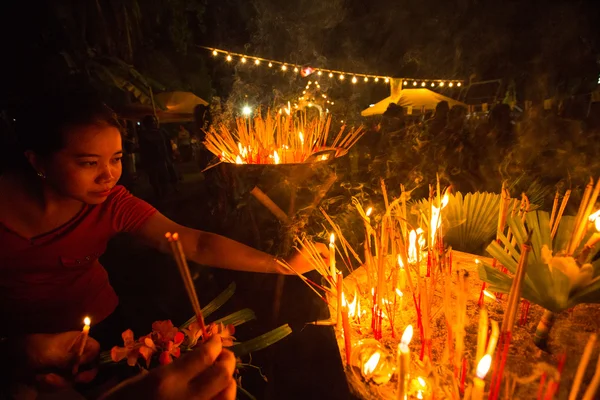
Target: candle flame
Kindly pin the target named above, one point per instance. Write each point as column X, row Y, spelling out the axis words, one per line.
column 422, row 382
column 594, row 218
column 372, row 291
column 352, row 307
column 412, row 246
column 488, row 294
column 399, row 292
column 371, row 364
column 484, row 366
column 301, row 137
column 420, row 394
column 436, row 218
column 369, row 211
column 276, row 157
column 477, row 261
column 400, row 262
column 87, row 321
column 331, row 238
column 238, row 160
column 407, row 335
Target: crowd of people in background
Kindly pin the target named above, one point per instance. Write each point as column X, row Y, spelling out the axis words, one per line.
column 477, row 151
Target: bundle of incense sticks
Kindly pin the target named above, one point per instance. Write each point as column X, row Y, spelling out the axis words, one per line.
column 277, row 139
column 188, row 282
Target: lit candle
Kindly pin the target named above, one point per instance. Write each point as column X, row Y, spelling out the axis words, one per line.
column 478, row 382
column 402, row 274
column 347, row 332
column 404, row 361
column 332, row 258
column 585, row 359
column 340, row 295
column 482, row 333
column 84, row 336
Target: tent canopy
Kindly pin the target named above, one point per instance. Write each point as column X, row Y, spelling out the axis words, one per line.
column 415, row 98
column 170, row 107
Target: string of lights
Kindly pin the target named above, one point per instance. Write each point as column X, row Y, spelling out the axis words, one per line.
column 305, row 71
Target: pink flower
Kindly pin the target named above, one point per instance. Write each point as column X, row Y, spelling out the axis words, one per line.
column 194, row 333
column 226, row 332
column 164, row 331
column 171, row 350
column 130, row 351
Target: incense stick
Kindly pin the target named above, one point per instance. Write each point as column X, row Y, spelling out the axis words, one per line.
column 184, row 270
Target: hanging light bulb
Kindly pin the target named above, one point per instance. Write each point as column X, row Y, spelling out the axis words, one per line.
column 257, row 62
column 284, row 67
column 415, row 83
column 442, row 84
column 366, row 79
column 228, row 57
column 295, row 69
column 215, row 53
column 319, row 73
column 331, row 74
column 405, row 83
column 341, row 77
column 423, row 84
column 270, row 65
column 432, row 84
column 387, row 80
column 354, row 80
column 458, row 84
column 451, row 84
column 244, row 60
column 376, row 79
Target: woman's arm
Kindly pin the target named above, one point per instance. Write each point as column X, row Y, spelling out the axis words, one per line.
column 216, row 250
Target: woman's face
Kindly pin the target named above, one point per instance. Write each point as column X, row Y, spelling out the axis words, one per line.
column 88, row 166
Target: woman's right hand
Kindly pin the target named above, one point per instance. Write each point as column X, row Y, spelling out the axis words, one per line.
column 203, row 374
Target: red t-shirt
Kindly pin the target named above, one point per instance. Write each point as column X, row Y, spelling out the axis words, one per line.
column 51, row 282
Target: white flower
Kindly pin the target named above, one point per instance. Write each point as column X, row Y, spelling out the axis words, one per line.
column 578, row 277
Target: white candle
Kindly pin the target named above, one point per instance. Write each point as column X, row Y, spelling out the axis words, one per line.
column 585, row 359
column 404, row 361
column 84, row 336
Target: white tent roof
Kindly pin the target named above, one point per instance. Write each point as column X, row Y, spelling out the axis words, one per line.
column 417, row 98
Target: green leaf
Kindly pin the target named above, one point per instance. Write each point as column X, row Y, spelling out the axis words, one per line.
column 215, row 304
column 499, row 254
column 262, row 341
column 237, row 318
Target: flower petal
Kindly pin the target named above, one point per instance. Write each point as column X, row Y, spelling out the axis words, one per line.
column 118, row 353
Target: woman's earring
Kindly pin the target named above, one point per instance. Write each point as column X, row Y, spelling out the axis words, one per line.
column 41, row 175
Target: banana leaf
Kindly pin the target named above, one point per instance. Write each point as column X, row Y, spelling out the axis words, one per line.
column 262, row 341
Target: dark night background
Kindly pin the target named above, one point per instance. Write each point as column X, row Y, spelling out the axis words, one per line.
column 545, row 47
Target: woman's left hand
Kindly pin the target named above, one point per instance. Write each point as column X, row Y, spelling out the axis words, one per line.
column 299, row 261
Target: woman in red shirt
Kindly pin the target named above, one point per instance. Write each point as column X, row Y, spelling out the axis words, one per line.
column 62, row 206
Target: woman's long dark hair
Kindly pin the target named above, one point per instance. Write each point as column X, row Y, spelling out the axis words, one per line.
column 39, row 125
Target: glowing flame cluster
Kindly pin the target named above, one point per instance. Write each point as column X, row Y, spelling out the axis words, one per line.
column 595, row 218
column 353, row 307
column 436, row 220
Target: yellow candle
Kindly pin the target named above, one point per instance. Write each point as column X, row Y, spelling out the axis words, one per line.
column 84, row 336
column 404, row 361
column 585, row 359
column 332, row 258
column 482, row 333
column 402, row 274
column 590, row 393
column 478, row 382
column 493, row 339
column 340, row 294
